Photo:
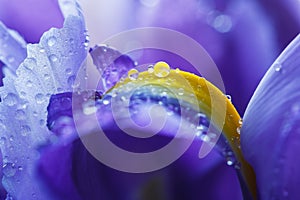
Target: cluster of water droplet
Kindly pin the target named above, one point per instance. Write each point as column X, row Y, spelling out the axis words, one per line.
column 111, row 64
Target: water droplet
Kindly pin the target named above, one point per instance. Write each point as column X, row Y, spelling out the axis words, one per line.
column 20, row 114
column 42, row 50
column 180, row 91
column 150, row 69
column 39, row 98
column 46, row 76
column 230, row 161
column 106, row 99
column 29, row 83
column 68, row 70
column 9, row 169
column 20, row 168
column 53, row 58
column 42, row 122
column 238, row 130
column 25, row 130
column 228, row 97
column 30, row 63
column 133, row 74
column 278, row 68
column 204, row 138
column 220, row 22
column 10, row 99
column 87, row 40
column 241, row 121
column 51, row 41
column 2, row 140
column 73, row 82
column 161, row 69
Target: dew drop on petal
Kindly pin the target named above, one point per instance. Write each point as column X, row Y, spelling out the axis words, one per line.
column 39, row 98
column 9, row 169
column 30, row 63
column 51, row 41
column 73, row 82
column 238, row 130
column 53, row 58
column 161, row 69
column 25, row 130
column 29, row 83
column 228, row 97
column 20, row 114
column 106, row 99
column 241, row 121
column 133, row 74
column 278, row 68
column 150, row 69
column 180, row 91
column 11, row 99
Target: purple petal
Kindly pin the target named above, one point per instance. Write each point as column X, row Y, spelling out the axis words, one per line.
column 270, row 133
column 12, row 48
column 50, row 67
column 55, row 169
column 83, row 175
column 29, row 18
column 111, row 64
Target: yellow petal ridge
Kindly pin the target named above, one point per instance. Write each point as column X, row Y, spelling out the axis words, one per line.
column 207, row 95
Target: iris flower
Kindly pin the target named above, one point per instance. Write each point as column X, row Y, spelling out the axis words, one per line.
column 44, row 159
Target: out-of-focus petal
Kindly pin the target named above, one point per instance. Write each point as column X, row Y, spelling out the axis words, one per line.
column 270, row 135
column 55, row 170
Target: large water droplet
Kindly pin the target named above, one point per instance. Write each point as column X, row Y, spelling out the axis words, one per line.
column 133, row 74
column 161, row 69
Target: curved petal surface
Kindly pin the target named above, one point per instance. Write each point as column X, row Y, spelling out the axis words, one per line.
column 50, row 67
column 270, row 135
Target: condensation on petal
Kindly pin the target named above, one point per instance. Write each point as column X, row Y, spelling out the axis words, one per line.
column 270, row 132
column 111, row 64
column 50, row 67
